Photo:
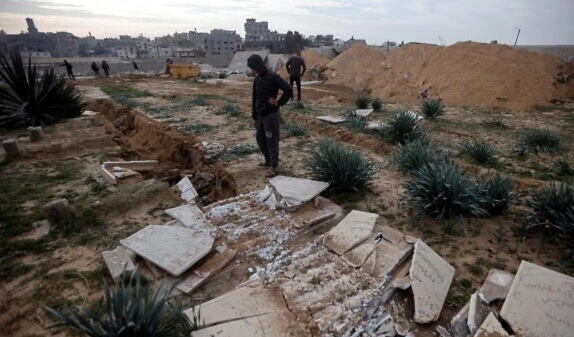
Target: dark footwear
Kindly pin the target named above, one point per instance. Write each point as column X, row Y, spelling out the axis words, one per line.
column 272, row 172
column 264, row 163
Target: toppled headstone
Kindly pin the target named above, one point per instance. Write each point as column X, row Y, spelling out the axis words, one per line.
column 477, row 312
column 172, row 248
column 58, row 211
column 332, row 119
column 458, row 324
column 188, row 192
column 431, row 277
column 364, row 112
column 496, row 286
column 491, row 328
column 118, row 262
column 540, row 302
column 11, row 147
column 297, row 189
column 390, row 251
column 263, row 195
column 35, row 133
column 358, row 255
column 206, row 271
column 190, row 216
column 355, row 228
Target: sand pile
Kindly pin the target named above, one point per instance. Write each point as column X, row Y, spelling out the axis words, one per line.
column 464, row 74
column 315, row 62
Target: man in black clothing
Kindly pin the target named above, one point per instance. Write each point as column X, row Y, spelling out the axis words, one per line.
column 68, row 69
column 296, row 68
column 265, row 110
column 106, row 68
column 95, row 69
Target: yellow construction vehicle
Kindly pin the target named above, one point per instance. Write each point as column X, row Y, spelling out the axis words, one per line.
column 184, row 70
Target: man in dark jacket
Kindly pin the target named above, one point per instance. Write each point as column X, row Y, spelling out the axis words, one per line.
column 68, row 69
column 106, row 68
column 265, row 110
column 296, row 68
column 95, row 69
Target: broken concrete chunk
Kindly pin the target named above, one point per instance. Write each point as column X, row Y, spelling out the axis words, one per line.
column 355, row 228
column 298, row 189
column 491, row 328
column 271, row 202
column 431, row 277
column 364, row 112
column 369, row 265
column 358, row 255
column 172, row 248
column 289, row 205
column 58, row 211
column 442, row 332
column 256, row 326
column 458, row 324
column 477, row 312
column 36, row 133
column 206, row 271
column 190, row 216
column 188, row 192
column 332, row 119
column 136, row 165
column 118, row 262
column 389, row 258
column 496, row 286
column 11, row 147
column 263, row 195
column 540, row 302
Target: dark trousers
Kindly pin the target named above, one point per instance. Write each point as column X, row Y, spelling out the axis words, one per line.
column 297, row 80
column 268, row 137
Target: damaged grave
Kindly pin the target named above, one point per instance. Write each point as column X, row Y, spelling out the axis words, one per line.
column 118, row 172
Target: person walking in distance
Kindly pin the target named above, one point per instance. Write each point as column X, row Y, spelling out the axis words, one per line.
column 265, row 110
column 106, row 68
column 135, row 65
column 296, row 69
column 95, row 69
column 68, row 69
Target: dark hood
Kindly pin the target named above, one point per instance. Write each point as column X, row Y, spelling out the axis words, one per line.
column 256, row 62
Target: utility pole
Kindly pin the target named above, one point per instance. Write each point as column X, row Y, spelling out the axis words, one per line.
column 517, row 35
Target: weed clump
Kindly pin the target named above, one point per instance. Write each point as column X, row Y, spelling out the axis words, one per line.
column 540, row 140
column 554, row 205
column 377, row 104
column 413, row 155
column 479, row 151
column 498, row 194
column 403, row 126
column 230, row 109
column 354, row 121
column 345, row 169
column 362, row 102
column 432, row 108
column 296, row 129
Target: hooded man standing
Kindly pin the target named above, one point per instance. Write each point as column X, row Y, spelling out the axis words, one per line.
column 296, row 68
column 265, row 110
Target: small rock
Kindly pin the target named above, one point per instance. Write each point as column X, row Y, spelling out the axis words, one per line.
column 35, row 133
column 11, row 147
column 57, row 211
column 442, row 332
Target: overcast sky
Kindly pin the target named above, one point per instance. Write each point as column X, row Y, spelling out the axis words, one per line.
column 432, row 21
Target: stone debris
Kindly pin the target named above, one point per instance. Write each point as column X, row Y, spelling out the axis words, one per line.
column 118, row 262
column 58, row 211
column 431, row 277
column 212, row 151
column 271, row 202
column 263, row 195
column 113, row 171
column 297, row 189
column 35, row 133
column 477, row 312
column 491, row 328
column 11, row 147
column 358, row 255
column 355, row 228
column 458, row 324
column 90, row 113
column 190, row 216
column 374, row 126
column 206, row 270
column 540, row 302
column 364, row 112
column 172, row 248
column 185, row 187
column 136, row 165
column 496, row 286
column 442, row 332
column 390, row 252
column 332, row 119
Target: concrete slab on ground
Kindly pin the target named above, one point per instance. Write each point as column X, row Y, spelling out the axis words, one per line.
column 496, row 286
column 389, row 253
column 491, row 328
column 190, row 216
column 477, row 312
column 431, row 277
column 206, row 270
column 172, row 248
column 332, row 119
column 188, row 192
column 298, row 189
column 118, row 262
column 355, row 228
column 540, row 302
column 364, row 112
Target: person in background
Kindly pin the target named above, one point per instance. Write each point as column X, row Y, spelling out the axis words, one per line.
column 135, row 65
column 106, row 68
column 265, row 110
column 95, row 69
column 296, row 69
column 68, row 69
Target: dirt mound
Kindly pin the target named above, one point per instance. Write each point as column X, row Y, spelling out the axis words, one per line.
column 315, row 62
column 464, row 74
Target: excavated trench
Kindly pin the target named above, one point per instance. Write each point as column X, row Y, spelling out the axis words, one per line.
column 178, row 155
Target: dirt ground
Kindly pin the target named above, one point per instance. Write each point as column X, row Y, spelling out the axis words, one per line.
column 180, row 123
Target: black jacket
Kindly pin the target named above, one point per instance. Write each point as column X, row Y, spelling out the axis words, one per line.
column 294, row 65
column 265, row 87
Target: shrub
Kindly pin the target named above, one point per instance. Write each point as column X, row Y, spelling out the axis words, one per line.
column 362, row 102
column 478, row 150
column 230, row 109
column 296, row 129
column 562, row 167
column 354, row 121
column 496, row 123
column 432, row 108
column 195, row 129
column 129, row 309
column 344, row 168
column 540, row 140
column 554, row 205
column 377, row 104
column 29, row 99
column 498, row 194
column 401, row 127
column 415, row 154
column 441, row 191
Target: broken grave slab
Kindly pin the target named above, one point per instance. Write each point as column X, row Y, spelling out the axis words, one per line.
column 477, row 312
column 298, row 189
column 364, row 112
column 206, row 270
column 458, row 324
column 358, row 255
column 188, row 192
column 540, row 302
column 491, row 328
column 374, row 125
column 496, row 286
column 355, row 228
column 118, row 262
column 190, row 216
column 390, row 252
column 431, row 277
column 172, row 248
column 332, row 119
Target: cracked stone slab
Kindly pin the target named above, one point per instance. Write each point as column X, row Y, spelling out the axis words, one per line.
column 458, row 324
column 172, row 248
column 364, row 112
column 496, row 286
column 118, row 261
column 358, row 255
column 540, row 302
column 491, row 328
column 431, row 277
column 206, row 271
column 188, row 192
column 477, row 312
column 355, row 228
column 297, row 189
column 190, row 216
column 390, row 252
column 332, row 119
